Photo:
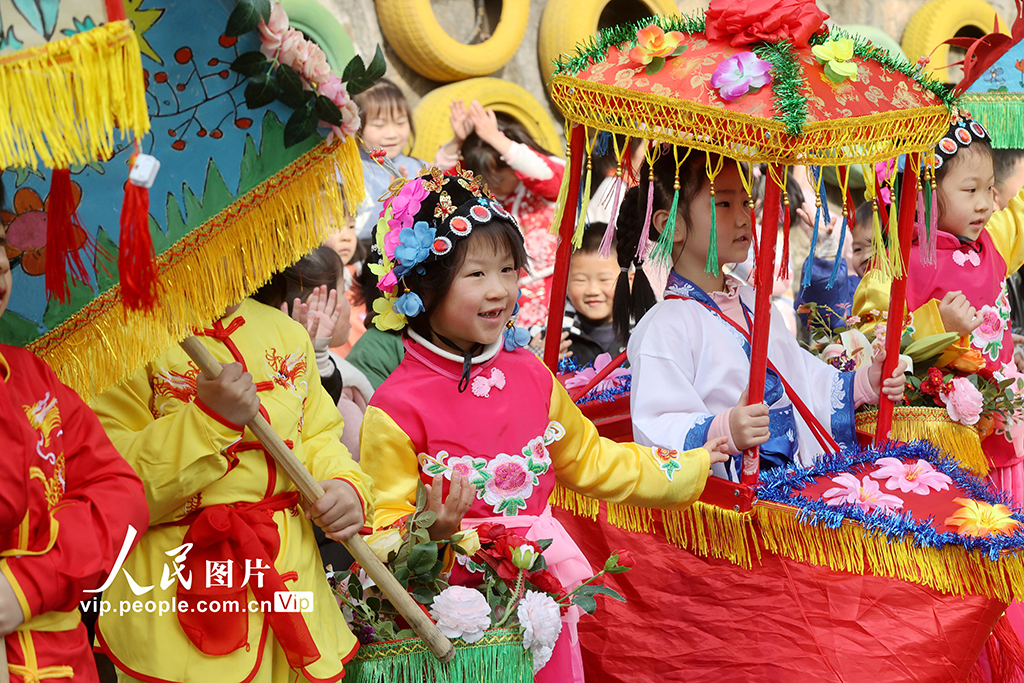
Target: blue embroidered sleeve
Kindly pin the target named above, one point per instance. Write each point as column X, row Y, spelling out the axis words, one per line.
column 842, row 420
column 698, row 434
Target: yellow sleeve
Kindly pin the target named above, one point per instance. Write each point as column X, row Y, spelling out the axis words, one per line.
column 1006, row 228
column 388, row 457
column 621, row 472
column 325, row 455
column 175, row 456
column 871, row 299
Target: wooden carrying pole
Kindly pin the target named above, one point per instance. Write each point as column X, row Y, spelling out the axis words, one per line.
column 440, row 646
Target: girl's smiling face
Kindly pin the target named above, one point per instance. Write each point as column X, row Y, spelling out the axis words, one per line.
column 388, row 129
column 481, row 298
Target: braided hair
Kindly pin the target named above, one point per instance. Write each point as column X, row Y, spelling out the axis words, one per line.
column 631, row 305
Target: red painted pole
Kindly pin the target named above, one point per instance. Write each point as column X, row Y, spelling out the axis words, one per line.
column 560, row 280
column 898, row 292
column 764, row 281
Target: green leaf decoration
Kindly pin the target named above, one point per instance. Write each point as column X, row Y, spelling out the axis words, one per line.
column 353, row 70
column 422, row 558
column 327, row 110
column 656, row 65
column 679, row 50
column 250, row 63
column 426, row 519
column 377, row 65
column 246, row 17
column 301, row 125
column 599, row 590
column 289, row 81
column 832, row 74
column 585, row 603
column 261, row 90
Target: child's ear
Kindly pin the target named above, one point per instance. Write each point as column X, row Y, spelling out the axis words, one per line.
column 659, row 219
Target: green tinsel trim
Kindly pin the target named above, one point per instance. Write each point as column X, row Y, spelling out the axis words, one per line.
column 788, row 85
column 1000, row 114
column 663, row 249
column 865, row 49
column 498, row 657
column 595, row 48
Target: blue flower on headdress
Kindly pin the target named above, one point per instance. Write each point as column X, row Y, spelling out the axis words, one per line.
column 409, row 304
column 516, row 338
column 413, row 247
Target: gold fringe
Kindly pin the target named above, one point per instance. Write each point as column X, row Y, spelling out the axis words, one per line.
column 61, row 101
column 920, row 423
column 576, row 503
column 677, row 121
column 216, row 265
column 851, row 548
column 739, row 537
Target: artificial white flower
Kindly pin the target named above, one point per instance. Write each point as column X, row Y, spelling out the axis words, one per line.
column 542, row 619
column 461, row 612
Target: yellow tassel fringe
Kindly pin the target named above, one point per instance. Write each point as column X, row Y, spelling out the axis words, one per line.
column 576, row 503
column 216, row 265
column 741, row 537
column 62, row 101
column 918, row 423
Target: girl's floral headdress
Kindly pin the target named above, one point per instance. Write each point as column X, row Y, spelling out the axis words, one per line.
column 963, row 130
column 421, row 221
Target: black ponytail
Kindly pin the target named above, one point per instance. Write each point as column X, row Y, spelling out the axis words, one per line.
column 629, row 306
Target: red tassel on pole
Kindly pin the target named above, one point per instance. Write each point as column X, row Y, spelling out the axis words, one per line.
column 64, row 237
column 136, row 259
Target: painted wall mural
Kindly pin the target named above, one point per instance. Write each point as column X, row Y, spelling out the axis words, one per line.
column 212, row 149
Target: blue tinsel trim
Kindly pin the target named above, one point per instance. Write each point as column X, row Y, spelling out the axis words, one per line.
column 783, row 486
column 620, row 388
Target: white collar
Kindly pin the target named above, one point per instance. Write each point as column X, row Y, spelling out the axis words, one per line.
column 489, row 352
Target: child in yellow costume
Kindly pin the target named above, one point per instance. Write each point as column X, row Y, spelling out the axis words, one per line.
column 216, row 497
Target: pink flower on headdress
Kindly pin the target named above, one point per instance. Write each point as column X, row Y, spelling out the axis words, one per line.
column 387, row 283
column 407, row 204
column 391, row 241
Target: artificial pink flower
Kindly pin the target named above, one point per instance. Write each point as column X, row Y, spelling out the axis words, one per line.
column 272, row 32
column 653, row 42
column 582, row 377
column 741, row 74
column 391, row 242
column 461, row 612
column 388, row 282
column 316, row 70
column 918, row 477
column 405, row 206
column 333, row 88
column 293, row 44
column 963, row 401
column 863, row 493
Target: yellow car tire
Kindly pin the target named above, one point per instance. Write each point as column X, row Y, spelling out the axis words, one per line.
column 567, row 23
column 415, row 34
column 940, row 20
column 433, row 128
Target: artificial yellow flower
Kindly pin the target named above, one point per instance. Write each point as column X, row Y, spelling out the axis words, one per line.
column 384, row 542
column 468, row 542
column 386, row 318
column 978, row 518
column 836, row 55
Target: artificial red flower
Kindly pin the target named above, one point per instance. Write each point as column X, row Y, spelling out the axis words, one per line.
column 744, row 22
column 625, row 558
column 496, row 546
column 547, row 582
